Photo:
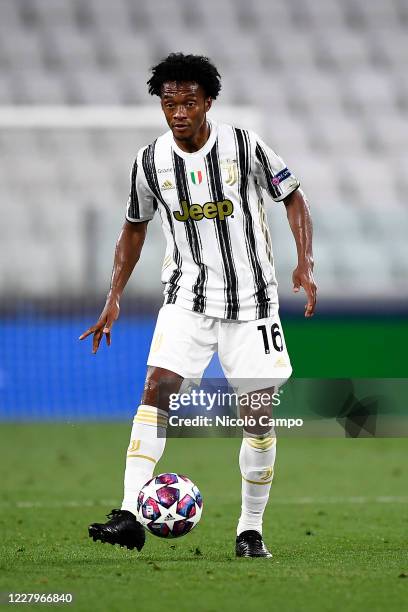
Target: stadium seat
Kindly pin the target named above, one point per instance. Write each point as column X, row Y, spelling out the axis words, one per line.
column 32, row 86
column 327, row 14
column 40, row 13
column 341, row 49
column 20, row 49
column 345, row 137
column 369, row 91
column 6, row 92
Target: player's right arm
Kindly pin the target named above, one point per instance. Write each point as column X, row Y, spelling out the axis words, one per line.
column 127, row 252
column 140, row 209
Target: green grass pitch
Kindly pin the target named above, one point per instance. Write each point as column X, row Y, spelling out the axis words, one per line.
column 337, row 524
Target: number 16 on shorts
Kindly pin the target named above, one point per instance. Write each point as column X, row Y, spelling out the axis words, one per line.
column 271, row 336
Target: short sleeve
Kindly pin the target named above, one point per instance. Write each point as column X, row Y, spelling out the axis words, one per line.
column 271, row 172
column 141, row 204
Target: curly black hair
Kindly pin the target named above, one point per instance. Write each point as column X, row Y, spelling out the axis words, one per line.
column 180, row 68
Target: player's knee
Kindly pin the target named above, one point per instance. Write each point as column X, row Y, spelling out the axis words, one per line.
column 159, row 385
column 256, row 409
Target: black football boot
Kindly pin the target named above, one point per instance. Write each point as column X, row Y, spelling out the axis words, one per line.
column 122, row 528
column 250, row 544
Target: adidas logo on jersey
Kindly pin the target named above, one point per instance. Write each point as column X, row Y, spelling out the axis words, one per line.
column 167, row 185
column 210, row 210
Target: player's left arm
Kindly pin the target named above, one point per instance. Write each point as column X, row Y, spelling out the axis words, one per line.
column 272, row 174
column 300, row 221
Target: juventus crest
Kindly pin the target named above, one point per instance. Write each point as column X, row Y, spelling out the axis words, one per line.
column 230, row 171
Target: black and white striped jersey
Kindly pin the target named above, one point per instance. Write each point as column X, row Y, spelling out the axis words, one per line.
column 218, row 259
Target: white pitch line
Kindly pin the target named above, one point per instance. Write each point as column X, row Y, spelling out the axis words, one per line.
column 60, row 504
column 383, row 499
column 289, row 501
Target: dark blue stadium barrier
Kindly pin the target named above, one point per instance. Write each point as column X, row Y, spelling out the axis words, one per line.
column 47, row 374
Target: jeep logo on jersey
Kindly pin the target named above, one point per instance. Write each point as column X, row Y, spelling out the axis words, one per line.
column 210, row 210
column 196, row 177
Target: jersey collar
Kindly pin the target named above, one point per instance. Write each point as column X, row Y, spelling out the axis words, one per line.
column 204, row 149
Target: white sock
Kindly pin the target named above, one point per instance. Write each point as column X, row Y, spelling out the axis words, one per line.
column 256, row 461
column 147, row 442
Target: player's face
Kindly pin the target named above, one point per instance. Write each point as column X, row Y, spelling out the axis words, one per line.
column 185, row 106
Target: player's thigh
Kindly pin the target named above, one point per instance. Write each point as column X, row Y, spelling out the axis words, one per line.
column 183, row 342
column 253, row 354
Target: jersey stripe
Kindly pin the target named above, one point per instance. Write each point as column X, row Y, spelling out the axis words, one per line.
column 260, row 283
column 149, row 168
column 231, row 310
column 192, row 233
column 265, row 230
column 134, row 211
column 274, row 190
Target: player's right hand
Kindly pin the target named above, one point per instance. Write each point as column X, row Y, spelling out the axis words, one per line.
column 104, row 324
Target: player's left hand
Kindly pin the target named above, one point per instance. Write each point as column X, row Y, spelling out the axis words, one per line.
column 303, row 277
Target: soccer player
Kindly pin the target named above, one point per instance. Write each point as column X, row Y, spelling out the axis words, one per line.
column 206, row 181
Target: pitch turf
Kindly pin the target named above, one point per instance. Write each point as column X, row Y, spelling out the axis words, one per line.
column 337, row 524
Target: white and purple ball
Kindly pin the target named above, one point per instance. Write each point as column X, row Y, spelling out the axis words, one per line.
column 169, row 505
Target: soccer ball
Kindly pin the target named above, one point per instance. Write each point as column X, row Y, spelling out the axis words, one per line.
column 169, row 505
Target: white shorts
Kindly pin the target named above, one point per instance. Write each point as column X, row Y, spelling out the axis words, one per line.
column 252, row 354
